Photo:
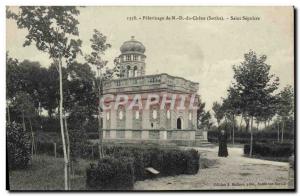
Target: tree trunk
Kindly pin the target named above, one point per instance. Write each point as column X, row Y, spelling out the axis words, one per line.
column 8, row 115
column 282, row 131
column 233, row 127
column 50, row 112
column 32, row 138
column 99, row 116
column 247, row 125
column 241, row 128
column 68, row 151
column 226, row 128
column 23, row 122
column 257, row 126
column 66, row 161
column 278, row 132
column 251, row 137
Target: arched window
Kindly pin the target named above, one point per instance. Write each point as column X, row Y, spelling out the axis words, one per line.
column 128, row 71
column 121, row 115
column 135, row 72
column 123, row 73
column 179, row 123
column 137, row 115
column 154, row 114
column 107, row 116
column 168, row 114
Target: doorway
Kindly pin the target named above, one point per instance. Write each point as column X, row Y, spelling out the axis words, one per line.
column 179, row 123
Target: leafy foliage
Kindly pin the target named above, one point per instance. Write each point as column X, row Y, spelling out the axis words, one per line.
column 270, row 149
column 47, row 27
column 286, row 102
column 18, row 146
column 242, row 137
column 254, row 84
column 23, row 105
column 78, row 143
column 218, row 111
column 167, row 161
column 111, row 174
column 203, row 117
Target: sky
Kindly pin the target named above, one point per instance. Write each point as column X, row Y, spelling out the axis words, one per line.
column 203, row 51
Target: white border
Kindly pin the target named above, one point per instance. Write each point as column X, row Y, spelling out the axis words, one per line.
column 3, row 3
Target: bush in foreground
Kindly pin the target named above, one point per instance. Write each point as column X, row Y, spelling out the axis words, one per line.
column 270, row 149
column 18, row 146
column 111, row 174
column 168, row 162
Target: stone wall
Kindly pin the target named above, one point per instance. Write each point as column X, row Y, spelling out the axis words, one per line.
column 149, row 134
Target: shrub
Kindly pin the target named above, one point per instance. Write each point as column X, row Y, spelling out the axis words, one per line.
column 50, row 124
column 270, row 149
column 18, row 146
column 244, row 137
column 111, row 174
column 45, row 148
column 78, row 144
column 167, row 161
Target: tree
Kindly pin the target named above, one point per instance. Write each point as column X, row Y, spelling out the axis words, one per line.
column 17, row 146
column 49, row 28
column 99, row 46
column 203, row 117
column 81, row 89
column 218, row 112
column 232, row 107
column 255, row 86
column 285, row 106
column 11, row 84
column 24, row 105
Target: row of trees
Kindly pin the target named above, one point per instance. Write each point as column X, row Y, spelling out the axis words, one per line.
column 71, row 87
column 252, row 97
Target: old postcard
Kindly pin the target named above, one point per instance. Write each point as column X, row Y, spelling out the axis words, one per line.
column 150, row 98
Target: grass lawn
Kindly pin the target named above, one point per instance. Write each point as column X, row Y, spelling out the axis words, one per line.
column 47, row 173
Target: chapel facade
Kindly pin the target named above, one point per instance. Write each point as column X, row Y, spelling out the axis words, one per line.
column 158, row 121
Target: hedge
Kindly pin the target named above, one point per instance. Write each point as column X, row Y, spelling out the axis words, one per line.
column 168, row 162
column 270, row 149
column 244, row 137
column 18, row 146
column 111, row 174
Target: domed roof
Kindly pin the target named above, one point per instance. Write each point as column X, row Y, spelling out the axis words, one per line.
column 132, row 46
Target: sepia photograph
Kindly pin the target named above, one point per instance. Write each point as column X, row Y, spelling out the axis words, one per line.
column 150, row 98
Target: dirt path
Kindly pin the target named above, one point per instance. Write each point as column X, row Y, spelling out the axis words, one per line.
column 233, row 172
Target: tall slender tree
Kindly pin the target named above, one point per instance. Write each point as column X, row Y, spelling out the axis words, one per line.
column 99, row 46
column 285, row 107
column 218, row 112
column 52, row 29
column 255, row 86
column 232, row 107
